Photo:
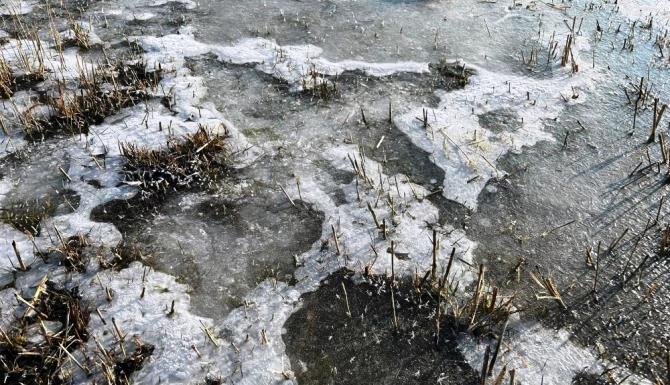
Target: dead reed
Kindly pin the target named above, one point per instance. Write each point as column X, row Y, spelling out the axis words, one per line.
column 6, row 80
column 36, row 349
column 100, row 93
column 71, row 253
column 451, row 74
column 199, row 160
column 319, row 87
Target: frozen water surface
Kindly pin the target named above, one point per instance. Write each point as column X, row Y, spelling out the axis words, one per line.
column 341, row 114
column 219, row 245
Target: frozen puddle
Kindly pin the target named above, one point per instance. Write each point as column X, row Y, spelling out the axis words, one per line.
column 221, row 247
column 252, row 279
column 464, row 138
column 294, row 64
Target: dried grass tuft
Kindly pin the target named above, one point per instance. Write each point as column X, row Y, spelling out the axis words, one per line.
column 551, row 291
column 37, row 348
column 99, row 93
column 452, row 74
column 72, row 253
column 199, row 160
column 6, row 80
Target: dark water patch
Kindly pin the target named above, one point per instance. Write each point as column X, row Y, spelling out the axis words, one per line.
column 26, row 216
column 127, row 215
column 222, row 249
column 326, row 346
column 501, row 120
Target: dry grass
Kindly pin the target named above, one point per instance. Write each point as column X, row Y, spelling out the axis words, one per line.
column 36, row 349
column 47, row 343
column 550, row 289
column 100, row 93
column 10, row 83
column 317, row 86
column 481, row 312
column 485, row 309
column 122, row 256
column 71, row 253
column 81, row 36
column 665, row 243
column 198, row 160
column 6, row 80
column 31, row 57
column 453, row 73
column 117, row 367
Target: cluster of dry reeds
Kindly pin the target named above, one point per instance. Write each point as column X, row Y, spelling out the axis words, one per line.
column 49, row 342
column 6, row 80
column 70, row 252
column 29, row 60
column 122, row 256
column 483, row 309
column 42, row 346
column 100, row 93
column 484, row 313
column 81, row 37
column 99, row 90
column 197, row 160
column 318, row 86
column 564, row 55
column 36, row 348
column 453, row 74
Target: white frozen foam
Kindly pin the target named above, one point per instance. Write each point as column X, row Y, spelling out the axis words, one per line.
column 643, row 10
column 542, row 355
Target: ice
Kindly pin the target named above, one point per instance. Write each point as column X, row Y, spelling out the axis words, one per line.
column 292, row 64
column 501, row 111
column 173, row 335
column 541, row 355
column 467, row 150
column 17, row 7
column 646, row 10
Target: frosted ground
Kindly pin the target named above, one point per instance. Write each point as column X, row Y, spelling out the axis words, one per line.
column 528, row 167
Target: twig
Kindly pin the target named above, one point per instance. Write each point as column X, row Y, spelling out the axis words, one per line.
column 346, row 299
column 287, row 196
